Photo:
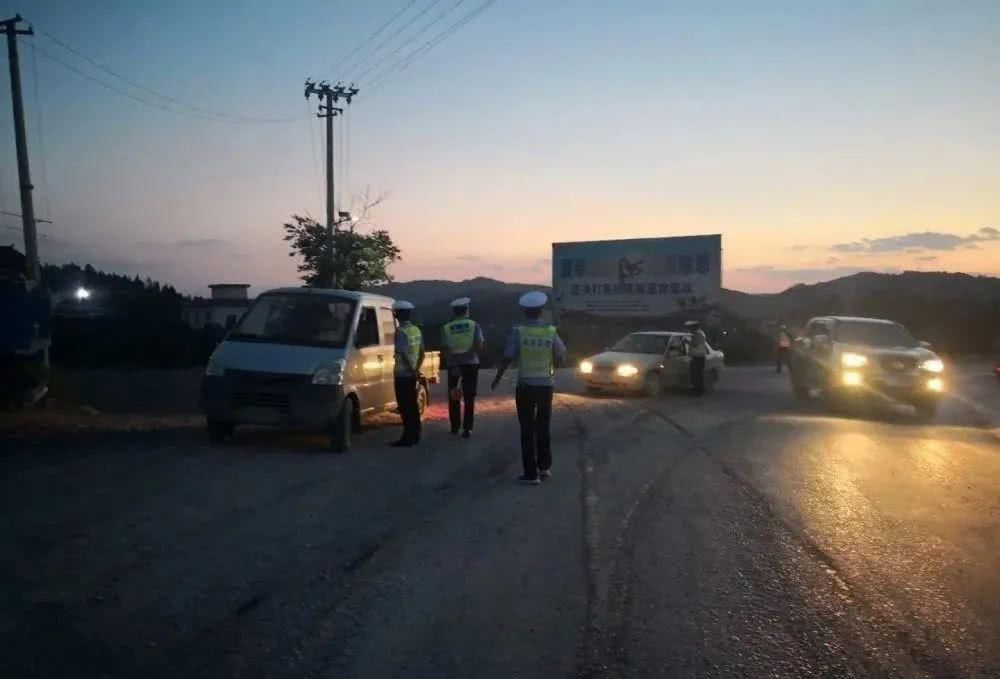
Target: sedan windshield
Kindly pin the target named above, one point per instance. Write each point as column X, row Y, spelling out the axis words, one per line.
column 297, row 318
column 642, row 344
column 874, row 334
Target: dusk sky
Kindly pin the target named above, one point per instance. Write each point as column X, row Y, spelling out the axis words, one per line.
column 818, row 138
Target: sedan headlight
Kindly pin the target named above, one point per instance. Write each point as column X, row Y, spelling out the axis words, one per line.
column 626, row 370
column 331, row 375
column 852, row 360
column 933, row 365
column 214, row 368
column 586, row 367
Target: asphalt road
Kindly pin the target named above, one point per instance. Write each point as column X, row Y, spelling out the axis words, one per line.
column 742, row 534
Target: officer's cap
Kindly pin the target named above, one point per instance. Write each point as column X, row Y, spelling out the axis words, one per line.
column 533, row 300
column 692, row 324
column 402, row 305
column 461, row 302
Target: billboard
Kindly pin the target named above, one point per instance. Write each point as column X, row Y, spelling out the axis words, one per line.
column 638, row 277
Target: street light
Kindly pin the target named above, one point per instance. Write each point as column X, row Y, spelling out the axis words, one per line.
column 82, row 293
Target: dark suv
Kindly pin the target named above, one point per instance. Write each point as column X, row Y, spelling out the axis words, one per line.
column 850, row 358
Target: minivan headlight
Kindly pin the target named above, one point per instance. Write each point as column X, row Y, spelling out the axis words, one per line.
column 586, row 367
column 933, row 365
column 332, row 374
column 627, row 370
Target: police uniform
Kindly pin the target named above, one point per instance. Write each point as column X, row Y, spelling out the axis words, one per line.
column 409, row 354
column 536, row 347
column 462, row 338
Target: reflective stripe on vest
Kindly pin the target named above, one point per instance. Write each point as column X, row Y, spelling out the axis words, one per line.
column 460, row 336
column 535, row 358
column 413, row 341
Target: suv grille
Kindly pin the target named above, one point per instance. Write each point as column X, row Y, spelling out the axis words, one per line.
column 898, row 363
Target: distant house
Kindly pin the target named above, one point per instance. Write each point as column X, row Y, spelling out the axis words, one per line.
column 223, row 309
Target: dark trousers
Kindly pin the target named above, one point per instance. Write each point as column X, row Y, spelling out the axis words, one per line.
column 468, row 375
column 534, row 412
column 698, row 374
column 406, row 401
column 782, row 357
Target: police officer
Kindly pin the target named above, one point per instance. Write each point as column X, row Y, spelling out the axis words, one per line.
column 462, row 339
column 536, row 347
column 409, row 357
column 698, row 352
column 784, row 346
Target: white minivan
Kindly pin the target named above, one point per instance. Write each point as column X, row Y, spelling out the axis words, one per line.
column 307, row 358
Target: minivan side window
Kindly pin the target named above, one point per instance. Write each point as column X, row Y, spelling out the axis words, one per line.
column 388, row 323
column 367, row 335
column 816, row 328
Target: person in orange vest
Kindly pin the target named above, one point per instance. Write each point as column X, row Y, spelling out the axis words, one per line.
column 784, row 346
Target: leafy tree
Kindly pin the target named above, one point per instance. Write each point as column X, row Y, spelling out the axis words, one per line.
column 361, row 260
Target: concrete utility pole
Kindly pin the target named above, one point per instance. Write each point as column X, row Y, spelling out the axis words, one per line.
column 328, row 96
column 21, row 143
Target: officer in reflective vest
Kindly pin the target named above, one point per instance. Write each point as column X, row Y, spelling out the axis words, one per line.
column 409, row 357
column 462, row 340
column 698, row 352
column 536, row 348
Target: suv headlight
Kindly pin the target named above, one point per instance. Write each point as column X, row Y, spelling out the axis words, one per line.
column 852, row 360
column 626, row 370
column 586, row 367
column 331, row 375
column 933, row 365
column 214, row 368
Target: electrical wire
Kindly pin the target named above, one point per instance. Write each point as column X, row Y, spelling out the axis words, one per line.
column 404, row 63
column 167, row 102
column 354, row 67
column 40, row 135
column 378, row 31
column 448, row 10
column 315, row 160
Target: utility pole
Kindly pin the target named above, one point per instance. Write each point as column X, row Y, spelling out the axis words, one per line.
column 328, row 96
column 21, row 143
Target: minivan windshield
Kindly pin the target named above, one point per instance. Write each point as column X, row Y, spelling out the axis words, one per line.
column 642, row 344
column 297, row 318
column 871, row 334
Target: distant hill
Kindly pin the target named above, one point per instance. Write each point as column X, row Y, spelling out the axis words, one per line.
column 957, row 312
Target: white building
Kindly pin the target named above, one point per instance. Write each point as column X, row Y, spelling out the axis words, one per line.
column 223, row 309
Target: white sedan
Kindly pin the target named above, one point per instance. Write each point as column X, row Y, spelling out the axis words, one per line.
column 647, row 362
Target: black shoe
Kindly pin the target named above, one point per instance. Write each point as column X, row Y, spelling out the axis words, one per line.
column 466, row 434
column 546, row 474
column 401, row 444
column 529, row 480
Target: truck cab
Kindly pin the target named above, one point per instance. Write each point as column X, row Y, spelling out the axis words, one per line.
column 307, row 358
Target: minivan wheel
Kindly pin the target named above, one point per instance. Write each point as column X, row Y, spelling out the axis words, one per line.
column 341, row 427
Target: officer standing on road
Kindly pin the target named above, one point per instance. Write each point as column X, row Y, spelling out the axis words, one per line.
column 697, row 351
column 536, row 348
column 784, row 346
column 409, row 357
column 462, row 340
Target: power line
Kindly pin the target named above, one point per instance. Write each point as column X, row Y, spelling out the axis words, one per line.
column 392, row 37
column 312, row 145
column 14, row 214
column 374, row 35
column 405, row 62
column 172, row 100
column 41, row 134
column 410, row 40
